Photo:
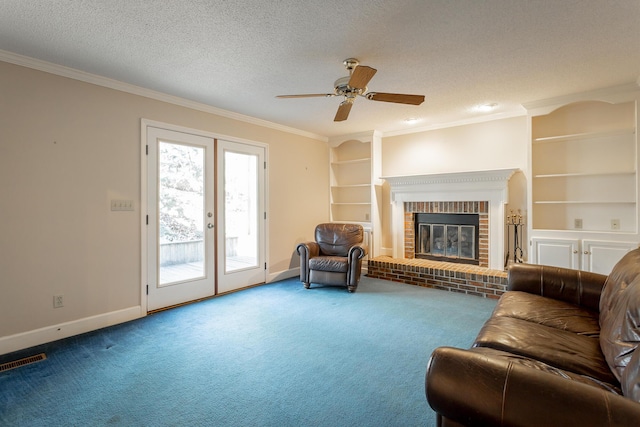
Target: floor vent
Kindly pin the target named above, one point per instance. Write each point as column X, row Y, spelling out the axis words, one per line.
column 22, row 362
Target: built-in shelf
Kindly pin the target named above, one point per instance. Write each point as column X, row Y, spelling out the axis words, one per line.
column 584, row 163
column 350, row 162
column 351, row 186
column 585, row 174
column 583, row 202
column 351, row 203
column 584, row 135
column 355, row 170
column 583, row 209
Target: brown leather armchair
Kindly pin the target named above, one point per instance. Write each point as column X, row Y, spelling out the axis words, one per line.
column 335, row 258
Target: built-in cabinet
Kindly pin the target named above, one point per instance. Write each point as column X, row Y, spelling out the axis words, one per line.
column 589, row 255
column 583, row 210
column 355, row 169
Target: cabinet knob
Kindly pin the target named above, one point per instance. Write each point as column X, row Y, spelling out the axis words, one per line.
column 575, row 252
column 586, row 252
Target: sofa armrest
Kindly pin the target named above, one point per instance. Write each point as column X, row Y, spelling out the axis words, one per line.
column 573, row 286
column 306, row 250
column 476, row 389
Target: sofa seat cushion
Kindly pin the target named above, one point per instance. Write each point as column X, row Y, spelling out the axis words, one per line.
column 329, row 263
column 559, row 348
column 549, row 312
column 541, row 366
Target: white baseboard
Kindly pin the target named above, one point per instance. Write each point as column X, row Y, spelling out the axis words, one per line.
column 284, row 274
column 47, row 334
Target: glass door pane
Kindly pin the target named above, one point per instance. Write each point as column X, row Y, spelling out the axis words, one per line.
column 452, row 241
column 439, row 240
column 181, row 217
column 241, row 211
column 467, row 241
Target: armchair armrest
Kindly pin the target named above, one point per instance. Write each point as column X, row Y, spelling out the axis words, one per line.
column 306, row 250
column 573, row 286
column 476, row 389
column 357, row 251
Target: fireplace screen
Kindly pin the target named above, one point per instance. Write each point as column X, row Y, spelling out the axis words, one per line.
column 447, row 237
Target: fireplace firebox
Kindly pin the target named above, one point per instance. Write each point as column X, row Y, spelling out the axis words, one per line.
column 449, row 237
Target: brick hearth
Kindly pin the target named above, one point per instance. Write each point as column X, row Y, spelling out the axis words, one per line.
column 463, row 278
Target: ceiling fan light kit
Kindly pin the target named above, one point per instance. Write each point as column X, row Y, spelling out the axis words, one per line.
column 355, row 84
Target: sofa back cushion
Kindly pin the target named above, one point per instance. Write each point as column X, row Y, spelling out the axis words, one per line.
column 336, row 239
column 620, row 322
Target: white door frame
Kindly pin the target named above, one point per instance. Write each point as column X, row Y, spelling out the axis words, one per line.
column 144, row 124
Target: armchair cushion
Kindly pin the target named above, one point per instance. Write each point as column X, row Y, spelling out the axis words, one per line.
column 329, row 263
column 337, row 239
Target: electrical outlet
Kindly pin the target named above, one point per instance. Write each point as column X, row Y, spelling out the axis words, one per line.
column 577, row 223
column 615, row 224
column 58, row 301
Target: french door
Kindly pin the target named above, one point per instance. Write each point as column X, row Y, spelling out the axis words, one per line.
column 241, row 215
column 205, row 219
column 181, row 218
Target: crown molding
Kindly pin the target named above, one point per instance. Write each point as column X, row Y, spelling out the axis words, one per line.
column 95, row 79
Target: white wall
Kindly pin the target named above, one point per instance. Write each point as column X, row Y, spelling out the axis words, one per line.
column 490, row 145
column 498, row 144
column 66, row 149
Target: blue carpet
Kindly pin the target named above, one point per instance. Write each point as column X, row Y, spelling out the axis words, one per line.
column 274, row 355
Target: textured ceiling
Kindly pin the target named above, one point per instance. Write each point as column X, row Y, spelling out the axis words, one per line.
column 238, row 55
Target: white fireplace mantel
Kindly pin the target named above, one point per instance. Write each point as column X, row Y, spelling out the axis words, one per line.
column 489, row 185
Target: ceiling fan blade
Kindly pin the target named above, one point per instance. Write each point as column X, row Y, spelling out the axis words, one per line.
column 308, row 95
column 395, row 97
column 343, row 111
column 361, row 76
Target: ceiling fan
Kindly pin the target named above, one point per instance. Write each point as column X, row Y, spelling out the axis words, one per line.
column 355, row 84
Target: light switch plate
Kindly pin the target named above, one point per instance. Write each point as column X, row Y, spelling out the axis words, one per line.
column 122, row 205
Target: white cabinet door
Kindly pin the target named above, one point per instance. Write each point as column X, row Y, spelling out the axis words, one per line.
column 597, row 256
column 601, row 256
column 556, row 252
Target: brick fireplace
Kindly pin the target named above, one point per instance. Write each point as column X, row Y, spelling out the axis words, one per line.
column 480, row 192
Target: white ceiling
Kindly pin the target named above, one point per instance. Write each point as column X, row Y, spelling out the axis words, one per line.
column 238, row 55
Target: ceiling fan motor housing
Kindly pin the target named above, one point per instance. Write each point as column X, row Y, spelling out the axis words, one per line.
column 342, row 88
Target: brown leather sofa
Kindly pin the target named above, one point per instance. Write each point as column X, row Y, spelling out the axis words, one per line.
column 560, row 349
column 335, row 258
